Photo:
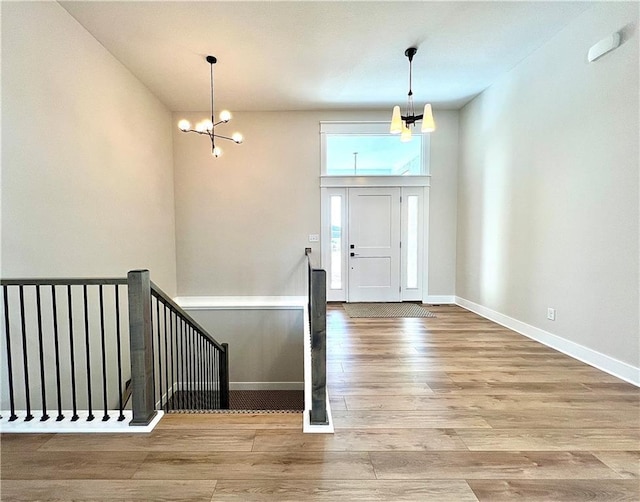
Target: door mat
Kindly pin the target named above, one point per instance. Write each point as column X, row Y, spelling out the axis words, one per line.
column 386, row 310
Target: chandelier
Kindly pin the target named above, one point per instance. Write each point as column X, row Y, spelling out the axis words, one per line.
column 402, row 124
column 208, row 127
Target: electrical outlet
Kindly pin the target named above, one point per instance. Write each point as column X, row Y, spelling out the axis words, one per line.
column 314, row 238
column 551, row 314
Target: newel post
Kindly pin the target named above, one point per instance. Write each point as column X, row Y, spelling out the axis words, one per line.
column 318, row 412
column 224, row 377
column 141, row 348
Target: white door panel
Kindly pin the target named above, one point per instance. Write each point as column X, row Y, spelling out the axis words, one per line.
column 374, row 238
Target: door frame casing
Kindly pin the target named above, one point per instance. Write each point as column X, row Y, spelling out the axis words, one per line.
column 414, row 185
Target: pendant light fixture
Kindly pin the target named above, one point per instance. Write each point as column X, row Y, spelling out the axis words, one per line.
column 207, row 126
column 402, row 124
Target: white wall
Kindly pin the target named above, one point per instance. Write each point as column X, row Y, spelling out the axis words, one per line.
column 243, row 219
column 548, row 189
column 443, row 201
column 87, row 174
column 265, row 346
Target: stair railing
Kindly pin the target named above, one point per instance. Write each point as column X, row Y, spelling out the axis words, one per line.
column 57, row 329
column 68, row 341
column 193, row 368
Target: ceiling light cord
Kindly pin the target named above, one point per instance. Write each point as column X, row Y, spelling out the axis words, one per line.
column 213, row 122
column 410, row 109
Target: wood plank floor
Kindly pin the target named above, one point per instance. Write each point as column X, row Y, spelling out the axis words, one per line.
column 452, row 408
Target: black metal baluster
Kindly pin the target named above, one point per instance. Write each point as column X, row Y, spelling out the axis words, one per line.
column 156, row 327
column 158, row 403
column 214, row 368
column 205, row 383
column 56, row 344
column 192, row 366
column 205, row 359
column 87, row 351
column 119, row 349
column 216, row 362
column 160, row 344
column 157, row 397
column 104, row 355
column 25, row 359
column 216, row 391
column 205, row 380
column 176, row 377
column 215, row 378
column 166, row 354
column 43, row 386
column 212, row 363
column 216, row 355
column 198, row 367
column 209, row 349
column 206, row 372
column 181, row 364
column 172, row 337
column 12, row 402
column 187, row 369
column 200, row 376
column 194, row 360
column 72, row 356
column 174, row 382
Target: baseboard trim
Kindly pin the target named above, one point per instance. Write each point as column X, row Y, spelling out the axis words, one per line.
column 440, row 299
column 66, row 426
column 266, row 385
column 608, row 364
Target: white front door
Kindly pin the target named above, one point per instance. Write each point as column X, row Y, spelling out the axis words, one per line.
column 374, row 245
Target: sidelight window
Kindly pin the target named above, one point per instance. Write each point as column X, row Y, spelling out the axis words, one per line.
column 336, row 242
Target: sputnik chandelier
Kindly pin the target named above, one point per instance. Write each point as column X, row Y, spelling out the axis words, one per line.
column 207, row 126
column 402, row 124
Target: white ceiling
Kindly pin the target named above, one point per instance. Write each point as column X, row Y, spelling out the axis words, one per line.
column 308, row 55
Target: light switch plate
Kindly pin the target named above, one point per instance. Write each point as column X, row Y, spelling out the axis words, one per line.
column 314, row 238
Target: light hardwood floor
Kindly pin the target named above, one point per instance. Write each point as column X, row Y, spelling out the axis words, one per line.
column 454, row 408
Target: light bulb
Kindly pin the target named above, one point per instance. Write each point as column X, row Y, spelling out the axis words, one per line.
column 225, row 115
column 200, row 126
column 216, row 152
column 428, row 124
column 396, row 121
column 184, row 125
column 406, row 134
column 207, row 125
column 237, row 137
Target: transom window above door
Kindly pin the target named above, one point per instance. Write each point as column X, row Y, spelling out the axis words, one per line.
column 368, row 149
